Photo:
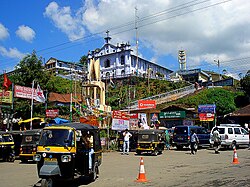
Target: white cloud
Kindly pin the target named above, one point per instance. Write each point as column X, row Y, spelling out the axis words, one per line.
column 3, row 32
column 11, row 53
column 165, row 26
column 64, row 21
column 207, row 34
column 26, row 33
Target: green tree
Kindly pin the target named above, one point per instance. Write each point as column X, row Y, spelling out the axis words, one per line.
column 84, row 61
column 245, row 83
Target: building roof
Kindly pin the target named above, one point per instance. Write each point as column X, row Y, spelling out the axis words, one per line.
column 62, row 98
column 245, row 111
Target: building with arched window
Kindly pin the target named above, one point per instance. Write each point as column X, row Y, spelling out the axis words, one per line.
column 118, row 61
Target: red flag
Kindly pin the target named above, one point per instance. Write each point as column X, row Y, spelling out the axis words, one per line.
column 6, row 81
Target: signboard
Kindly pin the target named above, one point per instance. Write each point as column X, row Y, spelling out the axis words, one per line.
column 143, row 104
column 172, row 114
column 52, row 113
column 120, row 124
column 209, row 108
column 117, row 114
column 206, row 117
column 24, row 92
column 133, row 116
column 6, row 96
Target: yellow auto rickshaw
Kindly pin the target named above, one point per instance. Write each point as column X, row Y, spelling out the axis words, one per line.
column 63, row 154
column 30, row 139
column 151, row 141
column 7, row 152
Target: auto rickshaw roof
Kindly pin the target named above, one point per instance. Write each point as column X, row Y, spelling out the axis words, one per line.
column 76, row 126
column 4, row 133
column 151, row 131
column 31, row 132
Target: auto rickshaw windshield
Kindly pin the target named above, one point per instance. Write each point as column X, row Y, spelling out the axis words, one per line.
column 147, row 137
column 30, row 139
column 6, row 138
column 57, row 137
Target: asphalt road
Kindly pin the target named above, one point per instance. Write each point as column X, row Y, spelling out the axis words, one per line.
column 172, row 168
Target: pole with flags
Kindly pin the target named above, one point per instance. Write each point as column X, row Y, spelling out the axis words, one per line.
column 38, row 96
column 32, row 101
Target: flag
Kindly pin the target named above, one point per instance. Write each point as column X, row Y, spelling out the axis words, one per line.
column 39, row 96
column 6, row 81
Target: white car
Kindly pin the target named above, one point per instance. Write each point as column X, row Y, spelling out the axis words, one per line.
column 231, row 135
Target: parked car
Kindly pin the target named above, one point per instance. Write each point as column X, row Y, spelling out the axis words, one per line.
column 231, row 135
column 181, row 136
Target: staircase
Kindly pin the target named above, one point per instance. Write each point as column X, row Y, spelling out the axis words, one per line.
column 168, row 96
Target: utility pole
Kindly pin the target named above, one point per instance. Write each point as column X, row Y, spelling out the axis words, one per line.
column 136, row 29
column 218, row 64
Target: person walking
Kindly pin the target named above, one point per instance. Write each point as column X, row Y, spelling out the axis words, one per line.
column 217, row 140
column 127, row 135
column 193, row 142
column 167, row 135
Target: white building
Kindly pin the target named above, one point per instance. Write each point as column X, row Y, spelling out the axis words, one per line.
column 118, row 61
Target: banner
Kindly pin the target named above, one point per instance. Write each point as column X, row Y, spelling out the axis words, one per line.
column 120, row 124
column 206, row 117
column 117, row 114
column 209, row 108
column 24, row 92
column 172, row 114
column 52, row 113
column 143, row 104
column 6, row 96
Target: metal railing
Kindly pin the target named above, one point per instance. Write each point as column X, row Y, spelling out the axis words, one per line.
column 168, row 96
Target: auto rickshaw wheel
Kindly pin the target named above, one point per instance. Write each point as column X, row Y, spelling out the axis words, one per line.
column 94, row 174
column 155, row 153
column 47, row 182
column 11, row 158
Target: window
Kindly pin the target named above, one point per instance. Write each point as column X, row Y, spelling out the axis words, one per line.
column 107, row 74
column 122, row 72
column 244, row 131
column 107, row 63
column 230, row 131
column 237, row 131
column 221, row 130
column 122, row 60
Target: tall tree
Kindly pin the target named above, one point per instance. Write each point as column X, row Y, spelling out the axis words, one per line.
column 245, row 84
column 28, row 69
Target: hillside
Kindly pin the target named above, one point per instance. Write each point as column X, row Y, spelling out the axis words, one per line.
column 124, row 91
column 226, row 100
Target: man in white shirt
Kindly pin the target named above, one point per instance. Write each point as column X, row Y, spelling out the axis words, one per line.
column 126, row 136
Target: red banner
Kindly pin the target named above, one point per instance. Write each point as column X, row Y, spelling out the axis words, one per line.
column 52, row 113
column 142, row 104
column 117, row 114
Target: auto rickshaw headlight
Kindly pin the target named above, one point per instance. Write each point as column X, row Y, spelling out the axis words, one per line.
column 66, row 158
column 37, row 157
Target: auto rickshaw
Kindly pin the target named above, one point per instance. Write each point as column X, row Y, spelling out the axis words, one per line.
column 132, row 140
column 7, row 152
column 63, row 154
column 150, row 141
column 30, row 139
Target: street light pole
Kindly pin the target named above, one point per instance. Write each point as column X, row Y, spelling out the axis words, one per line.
column 218, row 64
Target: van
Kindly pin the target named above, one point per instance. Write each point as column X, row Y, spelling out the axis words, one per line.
column 231, row 135
column 181, row 136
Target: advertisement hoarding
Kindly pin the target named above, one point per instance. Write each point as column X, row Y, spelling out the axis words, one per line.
column 143, row 104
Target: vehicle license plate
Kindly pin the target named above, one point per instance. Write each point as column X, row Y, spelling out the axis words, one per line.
column 180, row 138
column 50, row 159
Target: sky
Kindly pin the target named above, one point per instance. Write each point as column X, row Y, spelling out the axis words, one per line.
column 208, row 30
